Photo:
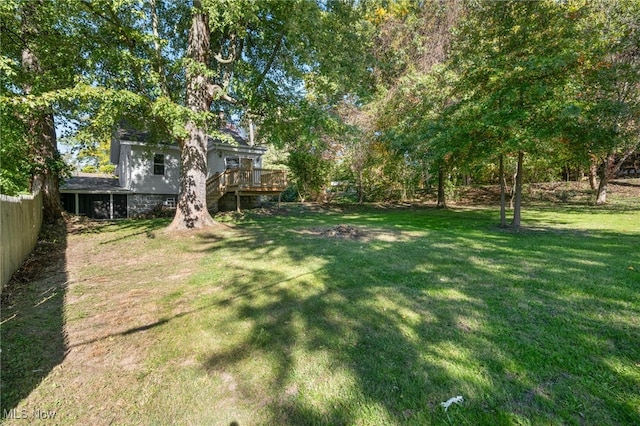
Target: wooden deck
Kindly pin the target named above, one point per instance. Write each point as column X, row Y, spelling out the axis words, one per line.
column 245, row 182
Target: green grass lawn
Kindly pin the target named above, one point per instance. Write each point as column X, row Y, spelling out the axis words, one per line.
column 276, row 320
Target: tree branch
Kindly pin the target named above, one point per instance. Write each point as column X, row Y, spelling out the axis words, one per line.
column 20, row 42
column 130, row 43
column 232, row 54
column 218, row 57
column 156, row 44
column 272, row 58
column 215, row 91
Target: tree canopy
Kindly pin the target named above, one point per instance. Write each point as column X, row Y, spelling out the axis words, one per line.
column 384, row 94
column 517, row 80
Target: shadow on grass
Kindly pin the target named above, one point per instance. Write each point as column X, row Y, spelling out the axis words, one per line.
column 128, row 228
column 527, row 327
column 165, row 320
column 33, row 339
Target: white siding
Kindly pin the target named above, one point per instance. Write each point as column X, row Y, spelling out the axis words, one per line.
column 218, row 152
column 124, row 169
column 135, row 165
column 215, row 163
column 142, row 179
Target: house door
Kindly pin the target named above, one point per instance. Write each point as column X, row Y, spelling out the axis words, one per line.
column 68, row 202
column 95, row 206
column 98, row 206
column 119, row 206
column 247, row 170
column 247, row 163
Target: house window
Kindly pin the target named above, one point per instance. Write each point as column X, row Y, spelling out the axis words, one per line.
column 158, row 164
column 169, row 203
column 232, row 162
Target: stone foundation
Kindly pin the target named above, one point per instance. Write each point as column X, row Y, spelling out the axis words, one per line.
column 140, row 204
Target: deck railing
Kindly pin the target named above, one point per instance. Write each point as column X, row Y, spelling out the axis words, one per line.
column 249, row 180
column 216, row 183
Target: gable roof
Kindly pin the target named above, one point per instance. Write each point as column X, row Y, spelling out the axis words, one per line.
column 225, row 139
column 92, row 183
column 129, row 134
column 228, row 136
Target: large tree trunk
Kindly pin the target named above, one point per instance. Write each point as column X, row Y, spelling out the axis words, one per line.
column 41, row 135
column 442, row 203
column 513, row 189
column 191, row 210
column 503, row 200
column 46, row 160
column 609, row 170
column 518, row 193
column 606, row 174
column 593, row 173
column 360, row 187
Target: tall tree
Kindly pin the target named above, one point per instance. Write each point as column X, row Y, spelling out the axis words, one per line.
column 240, row 59
column 412, row 40
column 603, row 106
column 513, row 60
column 37, row 57
column 191, row 211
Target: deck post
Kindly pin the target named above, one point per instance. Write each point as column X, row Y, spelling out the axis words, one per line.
column 238, row 201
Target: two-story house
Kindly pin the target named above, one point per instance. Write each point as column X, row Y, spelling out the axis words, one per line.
column 148, row 177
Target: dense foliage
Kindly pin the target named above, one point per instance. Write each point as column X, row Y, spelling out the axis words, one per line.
column 380, row 97
column 540, row 87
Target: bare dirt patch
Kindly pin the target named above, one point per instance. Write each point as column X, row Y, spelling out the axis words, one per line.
column 341, row 231
column 46, row 256
column 355, row 233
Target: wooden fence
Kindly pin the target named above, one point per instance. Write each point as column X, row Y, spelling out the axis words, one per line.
column 20, row 222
